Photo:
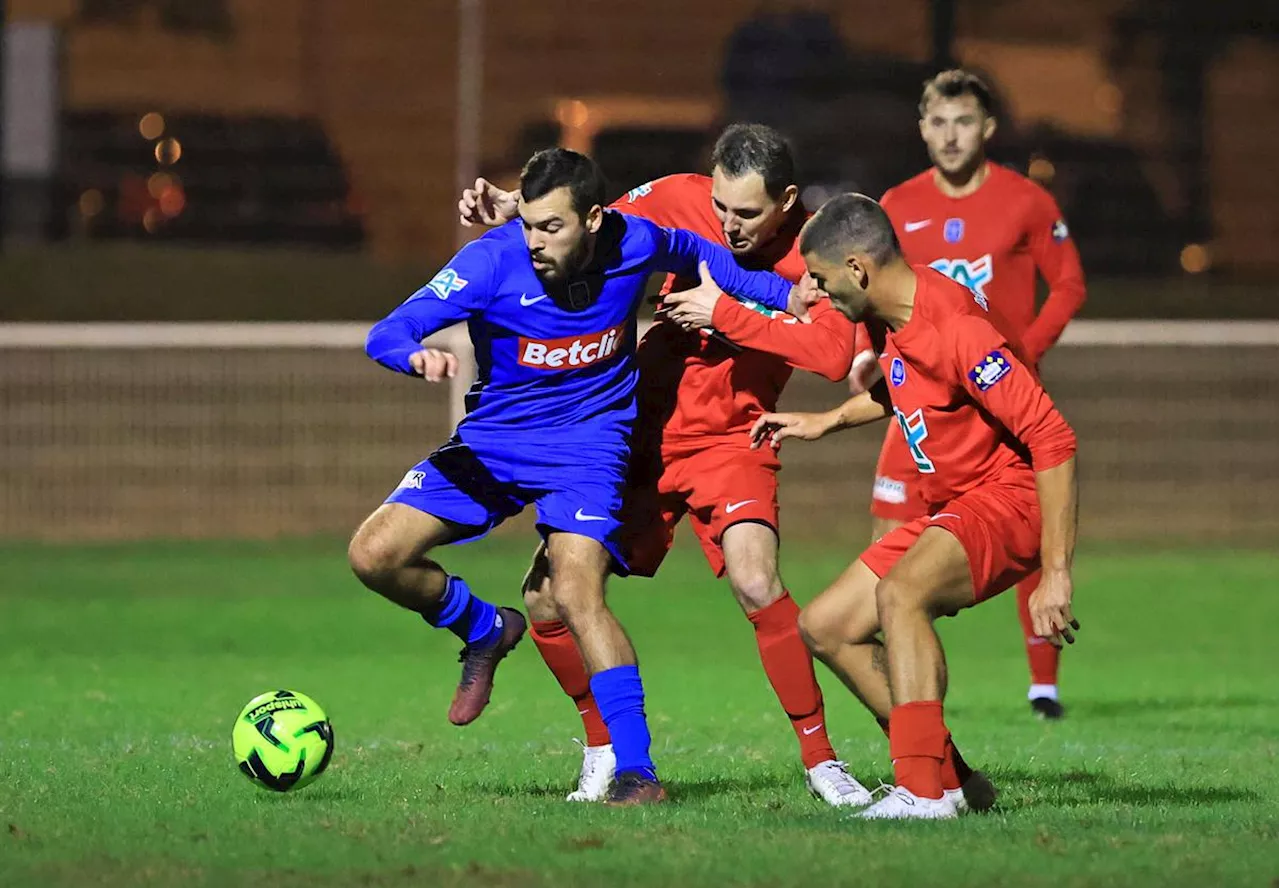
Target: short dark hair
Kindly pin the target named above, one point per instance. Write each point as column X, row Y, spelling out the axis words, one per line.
column 554, row 168
column 755, row 148
column 850, row 223
column 953, row 84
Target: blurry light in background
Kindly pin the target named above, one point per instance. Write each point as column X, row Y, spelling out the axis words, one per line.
column 572, row 113
column 1041, row 169
column 91, row 203
column 157, row 184
column 1108, row 98
column 151, row 125
column 168, row 152
column 151, row 220
column 1195, row 258
column 172, row 201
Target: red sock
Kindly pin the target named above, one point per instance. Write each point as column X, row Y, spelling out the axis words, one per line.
column 1041, row 655
column 561, row 655
column 918, row 745
column 789, row 666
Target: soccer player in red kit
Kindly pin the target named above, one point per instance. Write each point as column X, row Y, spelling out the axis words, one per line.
column 992, row 230
column 698, row 397
column 997, row 467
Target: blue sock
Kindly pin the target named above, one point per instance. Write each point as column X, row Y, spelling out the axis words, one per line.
column 472, row 619
column 620, row 696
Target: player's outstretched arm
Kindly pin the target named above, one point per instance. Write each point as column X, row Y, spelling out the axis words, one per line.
column 681, row 252
column 486, row 204
column 774, row 428
column 459, row 291
column 824, row 346
column 1050, row 604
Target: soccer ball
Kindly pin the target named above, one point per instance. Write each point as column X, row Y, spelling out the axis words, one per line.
column 282, row 740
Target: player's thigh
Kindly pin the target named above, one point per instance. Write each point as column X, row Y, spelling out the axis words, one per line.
column 933, row 574
column 732, row 487
column 396, row 535
column 649, row 518
column 751, row 563
column 844, row 613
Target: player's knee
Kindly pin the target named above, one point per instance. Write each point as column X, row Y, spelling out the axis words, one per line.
column 822, row 634
column 574, row 595
column 372, row 557
column 756, row 589
column 895, row 596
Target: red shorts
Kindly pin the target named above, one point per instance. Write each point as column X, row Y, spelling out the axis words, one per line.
column 998, row 526
column 896, row 495
column 717, row 487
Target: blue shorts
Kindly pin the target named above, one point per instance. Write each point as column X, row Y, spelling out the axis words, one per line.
column 479, row 483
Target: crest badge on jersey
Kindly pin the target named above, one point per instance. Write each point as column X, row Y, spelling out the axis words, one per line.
column 897, row 372
column 446, row 282
column 953, row 231
column 1060, row 232
column 990, row 370
column 639, row 191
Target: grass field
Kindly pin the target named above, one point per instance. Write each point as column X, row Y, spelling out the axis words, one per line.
column 124, row 666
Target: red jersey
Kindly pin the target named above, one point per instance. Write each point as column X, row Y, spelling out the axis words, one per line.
column 993, row 241
column 972, row 414
column 698, row 389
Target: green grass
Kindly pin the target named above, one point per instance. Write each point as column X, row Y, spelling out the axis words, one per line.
column 124, row 666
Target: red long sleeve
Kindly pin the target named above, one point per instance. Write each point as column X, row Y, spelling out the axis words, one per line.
column 1006, row 389
column 824, row 346
column 1058, row 262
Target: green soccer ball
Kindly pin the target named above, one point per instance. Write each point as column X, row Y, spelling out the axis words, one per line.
column 282, row 740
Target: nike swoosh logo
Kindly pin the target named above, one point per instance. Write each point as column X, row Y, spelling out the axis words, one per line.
column 815, row 729
column 526, row 301
column 582, row 517
column 733, row 507
column 916, row 226
column 945, row 515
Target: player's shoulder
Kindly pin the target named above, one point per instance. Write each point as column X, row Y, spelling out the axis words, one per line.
column 918, row 185
column 1009, row 181
column 946, row 300
column 674, row 186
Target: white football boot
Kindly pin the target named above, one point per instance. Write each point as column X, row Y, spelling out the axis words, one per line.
column 596, row 776
column 902, row 804
column 832, row 782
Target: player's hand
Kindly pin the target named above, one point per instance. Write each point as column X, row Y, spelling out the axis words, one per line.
column 864, row 373
column 692, row 309
column 433, row 365
column 775, row 428
column 486, row 204
column 1050, row 607
column 804, row 296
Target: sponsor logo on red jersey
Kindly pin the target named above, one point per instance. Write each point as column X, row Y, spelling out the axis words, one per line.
column 570, row 352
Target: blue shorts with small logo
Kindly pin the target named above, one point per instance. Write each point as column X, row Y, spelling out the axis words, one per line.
column 479, row 481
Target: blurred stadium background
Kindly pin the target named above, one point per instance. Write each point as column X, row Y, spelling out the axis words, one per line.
column 179, row 173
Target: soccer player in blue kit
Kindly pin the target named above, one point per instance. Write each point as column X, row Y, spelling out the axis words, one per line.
column 550, row 300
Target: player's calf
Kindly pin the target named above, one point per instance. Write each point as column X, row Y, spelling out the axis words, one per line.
column 578, row 567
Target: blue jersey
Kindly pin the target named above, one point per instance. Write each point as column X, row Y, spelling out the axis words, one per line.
column 546, row 367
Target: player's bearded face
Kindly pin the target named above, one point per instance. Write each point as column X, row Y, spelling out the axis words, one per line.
column 749, row 216
column 841, row 283
column 956, row 132
column 558, row 237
